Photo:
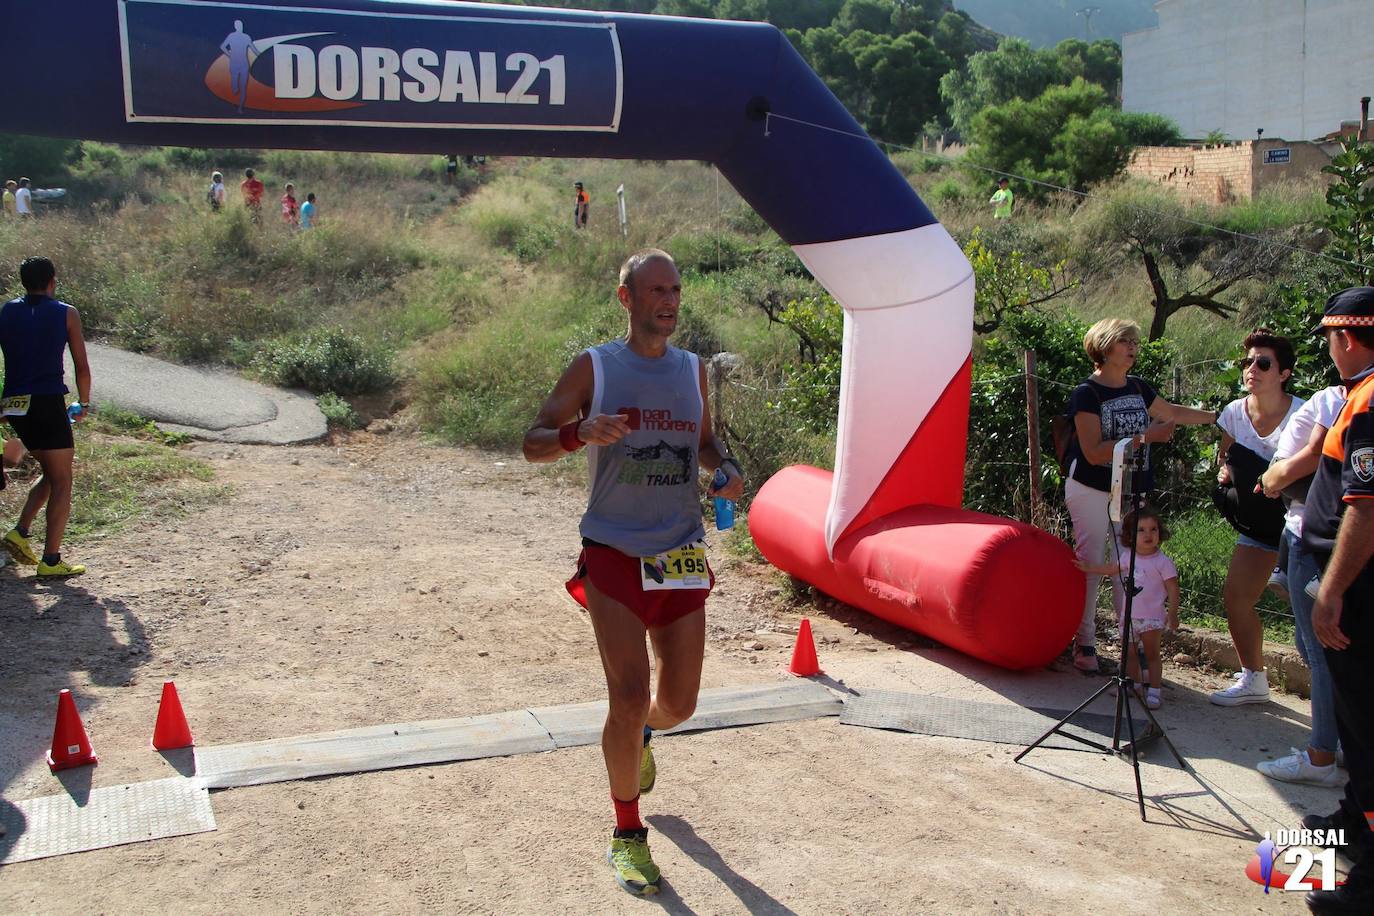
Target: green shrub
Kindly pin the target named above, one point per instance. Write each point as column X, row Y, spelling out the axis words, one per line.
column 709, row 251
column 534, row 241
column 330, row 360
column 338, row 412
column 947, row 191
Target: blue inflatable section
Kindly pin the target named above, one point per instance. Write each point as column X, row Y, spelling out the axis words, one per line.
column 456, row 78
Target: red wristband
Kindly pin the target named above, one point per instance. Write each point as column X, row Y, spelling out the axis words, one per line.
column 567, row 436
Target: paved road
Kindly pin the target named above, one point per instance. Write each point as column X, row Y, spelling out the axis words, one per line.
column 204, row 403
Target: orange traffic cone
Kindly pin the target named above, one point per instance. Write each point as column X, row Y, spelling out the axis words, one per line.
column 70, row 746
column 172, row 730
column 804, row 662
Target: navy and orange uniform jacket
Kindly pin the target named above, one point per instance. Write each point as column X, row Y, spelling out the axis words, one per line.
column 1345, row 473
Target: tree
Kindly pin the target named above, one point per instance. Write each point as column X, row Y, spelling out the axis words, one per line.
column 700, row 9
column 1350, row 217
column 1099, row 62
column 1187, row 264
column 803, row 14
column 743, row 10
column 43, row 159
column 1014, row 71
column 900, row 81
column 1005, row 282
column 1068, row 136
column 866, row 15
column 1017, row 71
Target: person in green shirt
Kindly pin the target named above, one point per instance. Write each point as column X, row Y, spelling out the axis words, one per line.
column 1002, row 200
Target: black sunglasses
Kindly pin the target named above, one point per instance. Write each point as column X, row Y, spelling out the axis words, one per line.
column 1264, row 363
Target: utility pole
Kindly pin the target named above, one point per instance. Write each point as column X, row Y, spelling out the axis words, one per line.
column 1087, row 13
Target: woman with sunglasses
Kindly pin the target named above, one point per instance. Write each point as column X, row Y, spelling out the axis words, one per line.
column 1251, row 427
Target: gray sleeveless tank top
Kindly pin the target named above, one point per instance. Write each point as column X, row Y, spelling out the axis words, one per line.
column 644, row 497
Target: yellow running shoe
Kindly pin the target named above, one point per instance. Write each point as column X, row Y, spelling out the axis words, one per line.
column 59, row 570
column 634, row 867
column 19, row 548
column 648, row 772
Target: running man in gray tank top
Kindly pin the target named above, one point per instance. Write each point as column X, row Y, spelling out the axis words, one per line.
column 640, row 406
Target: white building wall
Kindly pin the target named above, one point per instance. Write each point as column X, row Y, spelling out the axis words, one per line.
column 1296, row 68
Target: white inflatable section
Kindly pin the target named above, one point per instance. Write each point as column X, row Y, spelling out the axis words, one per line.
column 908, row 329
column 882, row 271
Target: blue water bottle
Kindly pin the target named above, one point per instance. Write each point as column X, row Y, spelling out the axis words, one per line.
column 73, row 409
column 725, row 508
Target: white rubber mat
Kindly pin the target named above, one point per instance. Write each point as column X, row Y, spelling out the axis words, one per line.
column 55, row 825
column 523, row 731
column 579, row 724
column 380, row 747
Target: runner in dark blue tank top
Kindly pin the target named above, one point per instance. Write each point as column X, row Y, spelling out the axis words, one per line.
column 35, row 331
column 641, row 406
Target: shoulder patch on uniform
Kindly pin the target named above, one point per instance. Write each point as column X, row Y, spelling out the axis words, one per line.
column 1362, row 463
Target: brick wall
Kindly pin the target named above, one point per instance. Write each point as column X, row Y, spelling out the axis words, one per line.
column 1226, row 173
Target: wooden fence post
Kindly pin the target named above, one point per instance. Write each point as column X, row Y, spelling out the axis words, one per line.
column 1033, row 435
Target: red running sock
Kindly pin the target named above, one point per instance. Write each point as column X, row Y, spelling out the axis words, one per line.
column 627, row 814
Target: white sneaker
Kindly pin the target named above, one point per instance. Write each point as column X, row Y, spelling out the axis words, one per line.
column 1250, row 687
column 1278, row 583
column 1298, row 767
column 1152, row 699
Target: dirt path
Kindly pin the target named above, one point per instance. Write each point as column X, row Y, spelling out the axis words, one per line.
column 381, row 581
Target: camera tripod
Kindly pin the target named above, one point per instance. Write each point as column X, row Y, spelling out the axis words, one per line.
column 1126, row 469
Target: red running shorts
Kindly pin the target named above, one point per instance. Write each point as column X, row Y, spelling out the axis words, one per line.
column 617, row 577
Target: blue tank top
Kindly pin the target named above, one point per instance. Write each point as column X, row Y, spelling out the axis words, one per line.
column 644, row 497
column 33, row 336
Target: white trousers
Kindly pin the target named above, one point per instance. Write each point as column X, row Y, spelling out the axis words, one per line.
column 1092, row 534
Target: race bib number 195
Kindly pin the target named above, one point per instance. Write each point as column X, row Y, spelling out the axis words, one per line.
column 683, row 567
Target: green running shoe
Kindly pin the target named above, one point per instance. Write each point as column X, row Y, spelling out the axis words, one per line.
column 59, row 570
column 648, row 771
column 634, row 867
column 19, row 548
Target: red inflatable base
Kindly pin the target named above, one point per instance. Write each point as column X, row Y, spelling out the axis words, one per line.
column 994, row 588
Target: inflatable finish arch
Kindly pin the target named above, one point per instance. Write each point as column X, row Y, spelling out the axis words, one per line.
column 885, row 532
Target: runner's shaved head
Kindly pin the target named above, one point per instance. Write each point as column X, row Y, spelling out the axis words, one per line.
column 637, row 260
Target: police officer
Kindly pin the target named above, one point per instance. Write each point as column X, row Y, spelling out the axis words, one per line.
column 1338, row 528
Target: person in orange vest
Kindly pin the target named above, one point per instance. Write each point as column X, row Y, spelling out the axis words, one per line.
column 580, row 202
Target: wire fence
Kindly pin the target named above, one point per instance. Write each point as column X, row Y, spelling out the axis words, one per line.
column 1008, row 474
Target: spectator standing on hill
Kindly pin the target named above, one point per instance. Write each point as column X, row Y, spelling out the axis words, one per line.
column 451, row 170
column 252, row 190
column 1288, row 477
column 1002, row 200
column 580, row 204
column 23, row 200
column 290, row 209
column 643, row 571
column 1338, row 528
column 215, row 195
column 1108, row 406
column 308, row 212
column 1251, row 428
column 35, row 330
column 8, row 200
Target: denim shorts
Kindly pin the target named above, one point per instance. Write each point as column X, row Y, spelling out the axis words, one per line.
column 1244, row 540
